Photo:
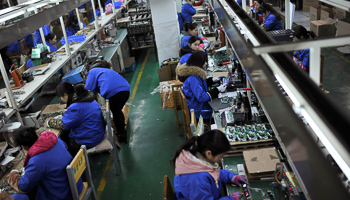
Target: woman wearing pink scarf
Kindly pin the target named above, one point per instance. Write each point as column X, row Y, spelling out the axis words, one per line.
column 197, row 172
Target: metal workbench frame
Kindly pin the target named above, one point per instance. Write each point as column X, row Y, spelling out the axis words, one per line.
column 302, row 152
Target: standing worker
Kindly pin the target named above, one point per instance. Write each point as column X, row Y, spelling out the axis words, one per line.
column 188, row 11
column 197, row 172
column 111, row 85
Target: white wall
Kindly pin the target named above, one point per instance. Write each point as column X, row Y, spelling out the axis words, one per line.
column 166, row 28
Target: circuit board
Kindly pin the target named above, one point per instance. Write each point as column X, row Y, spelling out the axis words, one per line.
column 249, row 132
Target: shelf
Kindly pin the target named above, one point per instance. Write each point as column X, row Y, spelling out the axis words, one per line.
column 9, row 112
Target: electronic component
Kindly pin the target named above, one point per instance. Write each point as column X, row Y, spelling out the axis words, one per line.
column 245, row 189
column 240, row 169
column 289, row 182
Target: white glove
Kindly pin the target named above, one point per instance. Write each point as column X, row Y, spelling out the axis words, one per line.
column 222, row 88
column 14, row 170
column 217, row 79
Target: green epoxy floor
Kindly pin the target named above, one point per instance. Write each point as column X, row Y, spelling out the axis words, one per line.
column 152, row 141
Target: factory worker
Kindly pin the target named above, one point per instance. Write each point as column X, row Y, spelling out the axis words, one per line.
column 13, row 49
column 51, row 41
column 83, row 117
column 188, row 11
column 195, row 85
column 111, row 85
column 29, row 40
column 37, row 37
column 193, row 45
column 72, row 26
column 271, row 20
column 44, row 166
column 302, row 57
column 197, row 172
column 190, row 29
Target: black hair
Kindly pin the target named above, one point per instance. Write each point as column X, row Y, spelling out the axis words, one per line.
column 73, row 22
column 100, row 64
column 264, row 7
column 50, row 36
column 64, row 88
column 190, row 26
column 301, row 31
column 79, row 90
column 198, row 58
column 25, row 136
column 260, row 1
column 193, row 39
column 213, row 140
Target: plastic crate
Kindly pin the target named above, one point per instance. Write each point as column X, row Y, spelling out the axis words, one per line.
column 75, row 38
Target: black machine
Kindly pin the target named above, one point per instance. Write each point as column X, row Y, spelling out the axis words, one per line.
column 285, row 35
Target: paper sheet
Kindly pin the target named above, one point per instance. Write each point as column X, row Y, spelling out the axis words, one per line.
column 6, row 160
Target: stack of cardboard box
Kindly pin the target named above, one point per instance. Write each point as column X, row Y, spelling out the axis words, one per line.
column 323, row 20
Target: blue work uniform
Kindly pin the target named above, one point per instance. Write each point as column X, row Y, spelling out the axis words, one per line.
column 37, row 37
column 240, row 2
column 29, row 64
column 71, row 31
column 47, row 170
column 106, row 82
column 18, row 196
column 272, row 23
column 184, row 40
column 187, row 12
column 304, row 56
column 85, row 122
column 29, row 40
column 14, row 47
column 180, row 20
column 98, row 14
column 201, row 185
column 184, row 58
column 52, row 47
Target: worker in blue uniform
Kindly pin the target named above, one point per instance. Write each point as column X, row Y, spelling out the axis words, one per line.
column 16, row 196
column 29, row 40
column 272, row 20
column 51, row 42
column 302, row 57
column 72, row 26
column 111, row 85
column 83, row 117
column 44, row 166
column 190, row 29
column 188, row 11
column 193, row 45
column 197, row 172
column 98, row 14
column 13, row 49
column 195, row 85
column 37, row 37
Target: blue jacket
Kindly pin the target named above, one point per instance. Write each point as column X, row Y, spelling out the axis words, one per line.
column 37, row 38
column 180, row 20
column 98, row 14
column 52, row 47
column 201, row 186
column 29, row 40
column 70, row 31
column 195, row 89
column 85, row 121
column 106, row 82
column 184, row 58
column 272, row 23
column 185, row 38
column 304, row 56
column 29, row 64
column 187, row 12
column 14, row 47
column 47, row 170
column 17, row 196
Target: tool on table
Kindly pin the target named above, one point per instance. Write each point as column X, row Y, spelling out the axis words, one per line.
column 17, row 78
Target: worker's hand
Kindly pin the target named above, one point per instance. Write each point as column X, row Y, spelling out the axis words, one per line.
column 237, row 180
column 236, row 196
column 222, row 88
column 217, row 79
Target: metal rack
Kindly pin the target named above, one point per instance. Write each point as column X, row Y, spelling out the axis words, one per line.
column 264, row 61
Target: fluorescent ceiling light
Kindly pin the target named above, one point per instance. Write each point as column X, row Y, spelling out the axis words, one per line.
column 11, row 16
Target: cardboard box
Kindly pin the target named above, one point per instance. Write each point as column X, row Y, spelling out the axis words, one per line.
column 340, row 13
column 315, row 13
column 323, row 27
column 167, row 98
column 260, row 161
column 326, row 15
column 167, row 72
column 308, row 3
column 343, row 27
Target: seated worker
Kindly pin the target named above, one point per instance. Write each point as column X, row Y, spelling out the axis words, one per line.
column 29, row 40
column 188, row 11
column 51, row 42
column 37, row 37
column 72, row 26
column 13, row 49
column 44, row 166
column 271, row 20
column 256, row 8
column 83, row 117
column 112, row 86
column 193, row 45
column 190, row 29
column 197, row 172
column 98, row 14
column 302, row 57
column 195, row 85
